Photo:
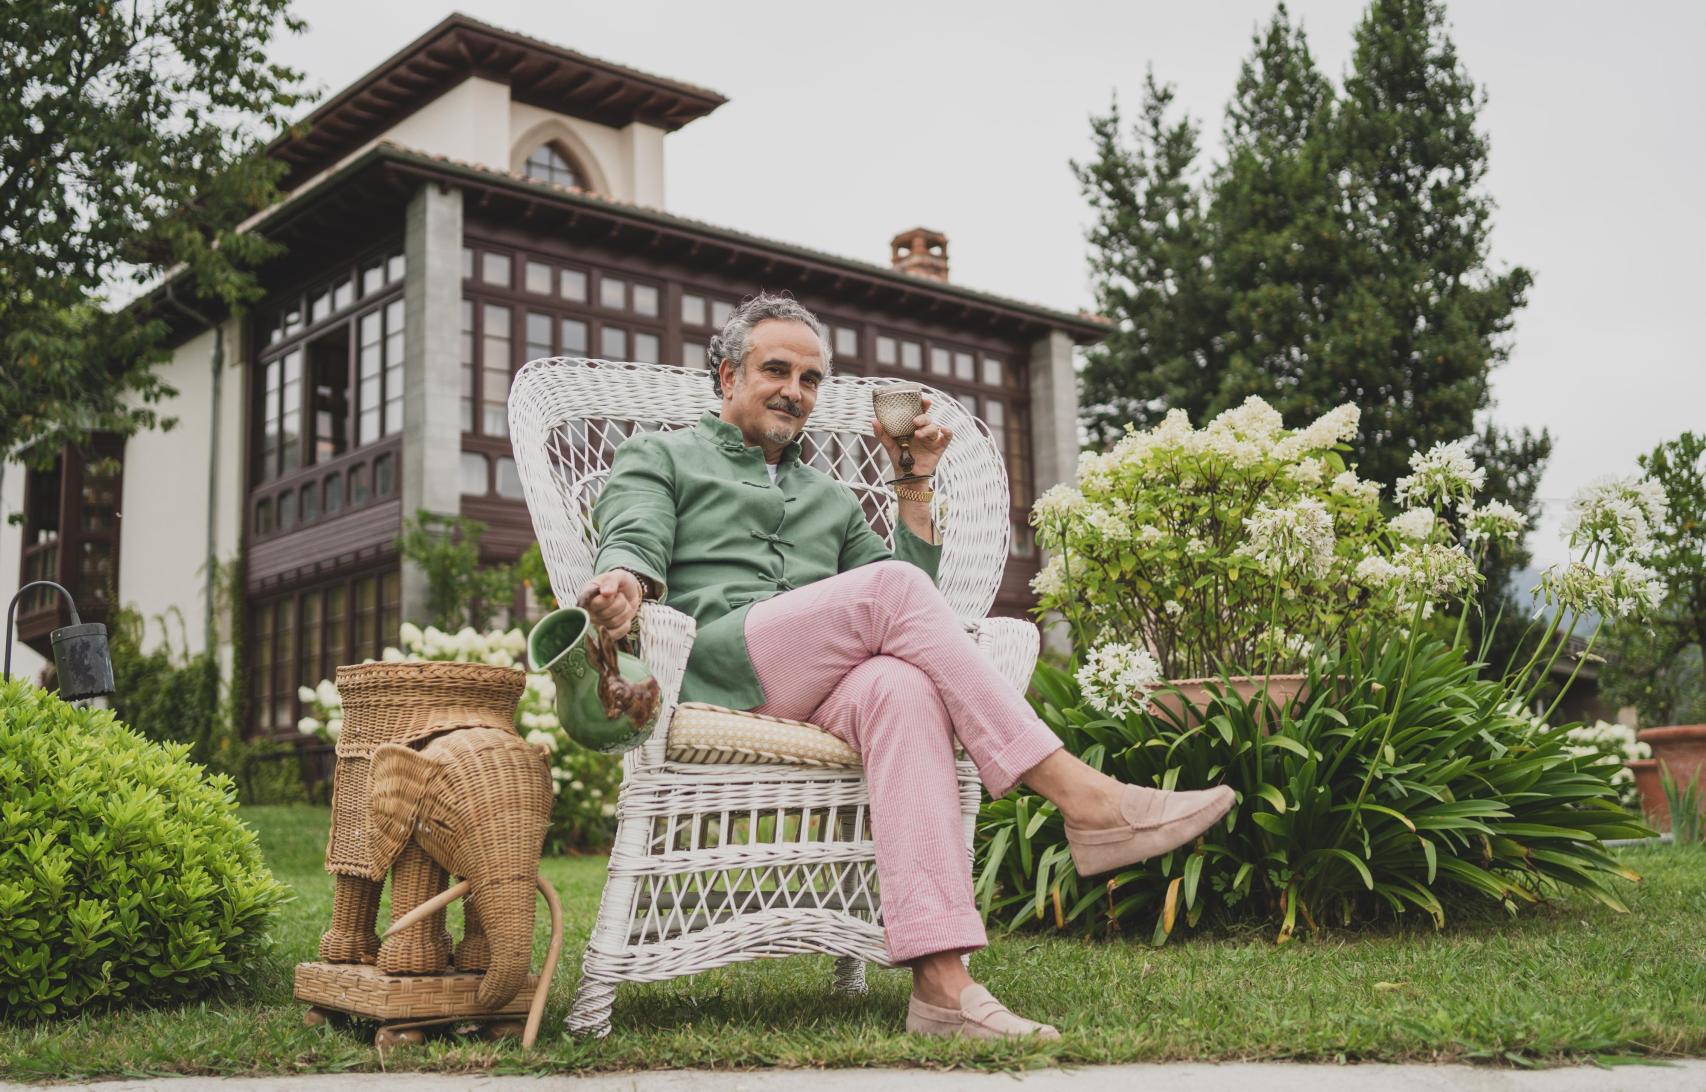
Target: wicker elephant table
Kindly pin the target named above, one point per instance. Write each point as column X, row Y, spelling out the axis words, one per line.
column 432, row 780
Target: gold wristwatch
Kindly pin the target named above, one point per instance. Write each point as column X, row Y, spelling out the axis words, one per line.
column 914, row 493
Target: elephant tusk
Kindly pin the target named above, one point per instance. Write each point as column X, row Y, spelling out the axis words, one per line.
column 537, row 1012
column 430, row 907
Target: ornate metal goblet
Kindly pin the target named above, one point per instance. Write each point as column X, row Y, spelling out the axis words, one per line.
column 897, row 404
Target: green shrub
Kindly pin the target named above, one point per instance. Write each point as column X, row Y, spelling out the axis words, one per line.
column 1404, row 782
column 125, row 874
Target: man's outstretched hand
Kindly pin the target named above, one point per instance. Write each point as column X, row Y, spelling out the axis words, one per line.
column 612, row 600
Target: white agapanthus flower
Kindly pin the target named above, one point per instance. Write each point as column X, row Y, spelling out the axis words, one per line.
column 1444, row 476
column 1618, row 514
column 392, row 655
column 307, row 694
column 1377, row 573
column 1417, row 524
column 1639, row 591
column 1118, row 679
column 409, row 635
column 1294, row 537
column 546, row 740
column 1494, row 520
column 308, row 726
column 327, row 695
column 1434, row 571
column 334, row 728
column 1624, row 589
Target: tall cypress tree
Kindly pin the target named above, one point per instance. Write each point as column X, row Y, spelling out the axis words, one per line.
column 1422, row 319
column 1148, row 257
column 1274, row 229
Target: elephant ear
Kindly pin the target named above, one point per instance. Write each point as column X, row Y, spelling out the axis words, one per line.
column 398, row 789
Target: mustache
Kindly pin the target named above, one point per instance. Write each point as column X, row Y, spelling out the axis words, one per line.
column 787, row 406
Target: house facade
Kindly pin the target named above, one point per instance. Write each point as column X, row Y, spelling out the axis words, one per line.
column 477, row 200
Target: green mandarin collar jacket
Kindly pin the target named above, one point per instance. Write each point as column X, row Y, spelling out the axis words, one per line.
column 695, row 511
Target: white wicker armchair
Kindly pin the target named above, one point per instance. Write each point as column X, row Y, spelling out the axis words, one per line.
column 717, row 864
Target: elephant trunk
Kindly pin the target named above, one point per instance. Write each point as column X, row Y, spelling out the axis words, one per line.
column 505, row 908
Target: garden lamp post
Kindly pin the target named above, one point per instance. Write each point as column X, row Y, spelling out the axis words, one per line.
column 80, row 653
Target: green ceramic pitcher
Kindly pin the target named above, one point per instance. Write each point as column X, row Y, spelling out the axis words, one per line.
column 606, row 700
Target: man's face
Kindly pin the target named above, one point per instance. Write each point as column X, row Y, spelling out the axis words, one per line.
column 770, row 398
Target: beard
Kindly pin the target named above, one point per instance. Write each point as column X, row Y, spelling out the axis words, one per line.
column 782, row 434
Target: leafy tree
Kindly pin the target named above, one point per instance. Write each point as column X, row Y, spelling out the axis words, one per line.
column 1148, row 245
column 1422, row 319
column 1277, row 235
column 128, row 147
column 1657, row 668
column 461, row 590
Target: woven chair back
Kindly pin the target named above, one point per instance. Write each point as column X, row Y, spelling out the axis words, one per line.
column 569, row 414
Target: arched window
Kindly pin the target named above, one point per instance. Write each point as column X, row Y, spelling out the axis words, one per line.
column 547, row 164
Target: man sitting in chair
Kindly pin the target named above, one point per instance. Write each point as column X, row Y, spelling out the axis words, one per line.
column 804, row 613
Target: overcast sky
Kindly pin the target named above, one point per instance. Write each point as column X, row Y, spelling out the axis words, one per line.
column 847, row 123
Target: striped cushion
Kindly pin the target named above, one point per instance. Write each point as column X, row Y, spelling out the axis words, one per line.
column 710, row 733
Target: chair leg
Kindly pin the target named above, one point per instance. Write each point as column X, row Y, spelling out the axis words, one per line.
column 589, row 1016
column 849, row 975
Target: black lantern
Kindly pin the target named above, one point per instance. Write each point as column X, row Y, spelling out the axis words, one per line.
column 80, row 653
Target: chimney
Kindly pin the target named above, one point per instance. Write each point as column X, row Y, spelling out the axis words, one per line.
column 920, row 252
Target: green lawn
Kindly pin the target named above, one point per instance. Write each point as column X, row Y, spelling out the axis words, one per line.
column 1572, row 980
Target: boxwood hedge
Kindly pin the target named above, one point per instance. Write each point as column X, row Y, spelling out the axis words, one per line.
column 125, row 873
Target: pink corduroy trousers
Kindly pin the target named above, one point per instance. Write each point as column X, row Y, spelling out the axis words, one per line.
column 876, row 656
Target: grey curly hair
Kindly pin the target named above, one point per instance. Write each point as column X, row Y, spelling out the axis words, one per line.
column 731, row 342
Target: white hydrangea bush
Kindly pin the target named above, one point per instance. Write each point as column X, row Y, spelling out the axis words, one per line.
column 585, row 782
column 1242, row 545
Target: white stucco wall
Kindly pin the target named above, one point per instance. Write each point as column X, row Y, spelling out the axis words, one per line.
column 465, row 123
column 164, row 510
column 163, row 535
column 625, row 163
column 25, row 663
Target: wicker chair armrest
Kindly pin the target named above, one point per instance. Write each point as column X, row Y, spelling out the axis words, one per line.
column 666, row 638
column 1013, row 645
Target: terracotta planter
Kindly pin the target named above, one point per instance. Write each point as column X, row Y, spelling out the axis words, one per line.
column 1682, row 750
column 1189, row 704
